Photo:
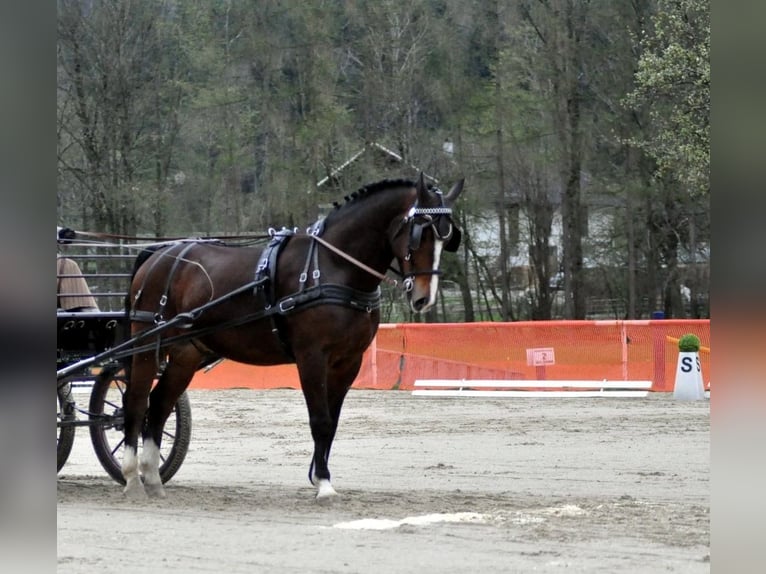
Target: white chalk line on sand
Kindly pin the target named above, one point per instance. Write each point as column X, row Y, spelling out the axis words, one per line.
column 386, row 524
column 460, row 517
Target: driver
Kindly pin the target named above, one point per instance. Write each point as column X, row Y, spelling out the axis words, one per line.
column 73, row 293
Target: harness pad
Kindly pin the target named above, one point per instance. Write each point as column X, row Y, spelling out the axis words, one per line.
column 266, row 269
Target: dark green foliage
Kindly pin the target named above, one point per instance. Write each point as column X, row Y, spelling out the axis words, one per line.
column 689, row 343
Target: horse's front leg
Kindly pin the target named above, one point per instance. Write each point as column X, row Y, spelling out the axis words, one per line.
column 319, row 472
column 313, row 376
column 339, row 381
column 324, row 398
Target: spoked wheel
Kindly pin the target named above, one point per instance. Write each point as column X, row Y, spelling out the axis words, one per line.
column 107, row 429
column 64, row 432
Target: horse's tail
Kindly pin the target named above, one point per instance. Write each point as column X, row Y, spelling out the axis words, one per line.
column 141, row 258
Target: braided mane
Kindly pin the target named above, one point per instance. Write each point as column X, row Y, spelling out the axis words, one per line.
column 371, row 188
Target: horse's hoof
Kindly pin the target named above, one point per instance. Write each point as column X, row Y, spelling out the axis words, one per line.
column 134, row 490
column 155, row 490
column 325, row 492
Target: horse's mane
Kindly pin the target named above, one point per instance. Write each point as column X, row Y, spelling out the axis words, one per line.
column 372, row 188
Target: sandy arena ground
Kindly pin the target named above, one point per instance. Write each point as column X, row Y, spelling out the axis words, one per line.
column 454, row 485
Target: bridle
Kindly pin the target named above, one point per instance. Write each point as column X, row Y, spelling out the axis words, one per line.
column 439, row 219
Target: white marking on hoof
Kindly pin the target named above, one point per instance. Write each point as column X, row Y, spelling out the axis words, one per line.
column 150, row 469
column 325, row 491
column 134, row 488
column 155, row 490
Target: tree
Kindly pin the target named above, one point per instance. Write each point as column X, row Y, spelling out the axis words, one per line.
column 563, row 30
column 389, row 48
column 673, row 87
column 118, row 104
column 673, row 81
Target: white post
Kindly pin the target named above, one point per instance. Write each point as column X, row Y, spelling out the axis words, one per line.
column 689, row 385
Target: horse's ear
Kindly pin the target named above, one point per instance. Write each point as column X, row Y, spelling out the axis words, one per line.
column 422, row 189
column 450, row 198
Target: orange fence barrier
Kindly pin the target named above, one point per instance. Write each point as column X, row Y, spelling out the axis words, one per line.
column 533, row 350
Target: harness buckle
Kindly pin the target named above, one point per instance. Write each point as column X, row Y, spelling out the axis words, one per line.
column 315, row 274
column 287, row 305
column 302, row 278
column 163, row 300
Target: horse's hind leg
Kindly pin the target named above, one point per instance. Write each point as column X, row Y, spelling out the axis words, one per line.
column 174, row 379
column 134, row 403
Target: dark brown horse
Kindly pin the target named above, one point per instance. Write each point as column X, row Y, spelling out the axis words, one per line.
column 309, row 298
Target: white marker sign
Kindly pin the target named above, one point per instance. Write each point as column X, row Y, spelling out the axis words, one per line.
column 541, row 357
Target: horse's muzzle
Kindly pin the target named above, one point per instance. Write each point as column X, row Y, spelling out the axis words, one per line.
column 420, row 305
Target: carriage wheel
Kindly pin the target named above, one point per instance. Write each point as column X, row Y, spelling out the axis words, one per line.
column 106, row 432
column 65, row 433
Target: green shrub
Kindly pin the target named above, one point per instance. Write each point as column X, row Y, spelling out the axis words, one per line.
column 689, row 343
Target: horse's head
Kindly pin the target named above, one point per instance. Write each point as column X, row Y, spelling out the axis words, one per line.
column 426, row 231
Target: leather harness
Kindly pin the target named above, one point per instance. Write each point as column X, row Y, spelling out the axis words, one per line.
column 263, row 286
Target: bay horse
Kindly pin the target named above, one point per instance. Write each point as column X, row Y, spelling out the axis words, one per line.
column 309, row 298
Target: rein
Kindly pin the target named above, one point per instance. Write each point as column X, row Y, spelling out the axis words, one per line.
column 429, row 213
column 355, row 261
column 167, row 239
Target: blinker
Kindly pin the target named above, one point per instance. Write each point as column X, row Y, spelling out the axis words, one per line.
column 443, row 229
column 416, row 233
column 453, row 242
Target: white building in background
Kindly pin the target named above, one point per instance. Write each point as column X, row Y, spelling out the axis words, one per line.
column 485, row 234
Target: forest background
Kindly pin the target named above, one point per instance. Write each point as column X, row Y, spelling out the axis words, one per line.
column 581, row 127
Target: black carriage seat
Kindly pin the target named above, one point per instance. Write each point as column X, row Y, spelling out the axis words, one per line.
column 84, row 334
